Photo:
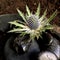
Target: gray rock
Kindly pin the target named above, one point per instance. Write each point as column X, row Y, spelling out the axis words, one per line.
column 11, row 55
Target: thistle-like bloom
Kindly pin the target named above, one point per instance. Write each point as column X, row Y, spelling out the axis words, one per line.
column 33, row 24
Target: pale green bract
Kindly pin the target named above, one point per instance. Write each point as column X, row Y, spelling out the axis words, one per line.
column 33, row 24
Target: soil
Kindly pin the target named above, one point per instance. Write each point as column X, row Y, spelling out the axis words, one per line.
column 9, row 7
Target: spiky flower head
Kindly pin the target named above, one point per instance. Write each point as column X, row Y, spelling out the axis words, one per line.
column 33, row 24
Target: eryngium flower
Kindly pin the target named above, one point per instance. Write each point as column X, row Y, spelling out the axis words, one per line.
column 33, row 24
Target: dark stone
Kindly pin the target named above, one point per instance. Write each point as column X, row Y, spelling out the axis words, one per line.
column 4, row 19
column 12, row 55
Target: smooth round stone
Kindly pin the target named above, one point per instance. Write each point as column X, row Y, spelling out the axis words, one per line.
column 12, row 55
column 47, row 56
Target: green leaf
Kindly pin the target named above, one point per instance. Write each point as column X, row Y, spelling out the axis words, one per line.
column 17, row 30
column 23, row 34
column 28, row 11
column 37, row 36
column 43, row 16
column 26, row 16
column 21, row 14
column 19, row 21
column 48, row 27
column 32, row 37
column 38, row 10
column 16, row 24
column 52, row 16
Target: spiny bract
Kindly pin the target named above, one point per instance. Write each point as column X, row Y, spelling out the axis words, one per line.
column 33, row 24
